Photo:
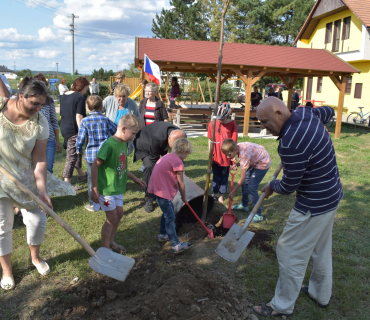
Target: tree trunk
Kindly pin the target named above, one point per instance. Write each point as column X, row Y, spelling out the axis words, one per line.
column 217, row 100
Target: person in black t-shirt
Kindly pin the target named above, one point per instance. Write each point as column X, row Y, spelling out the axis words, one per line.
column 72, row 111
column 256, row 97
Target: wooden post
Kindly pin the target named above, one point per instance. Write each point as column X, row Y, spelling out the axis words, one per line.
column 342, row 90
column 210, row 92
column 142, row 76
column 237, row 96
column 166, row 90
column 178, row 118
column 217, row 99
column 191, row 91
column 197, row 90
column 204, row 100
column 248, row 90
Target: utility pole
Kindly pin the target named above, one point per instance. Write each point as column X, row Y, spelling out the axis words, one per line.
column 72, row 25
column 57, row 70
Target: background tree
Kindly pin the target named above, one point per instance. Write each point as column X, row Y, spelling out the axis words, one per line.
column 25, row 73
column 132, row 72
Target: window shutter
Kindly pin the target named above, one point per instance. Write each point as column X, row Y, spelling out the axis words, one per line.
column 358, row 90
column 348, row 85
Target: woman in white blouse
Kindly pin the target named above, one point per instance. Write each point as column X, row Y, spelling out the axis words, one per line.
column 62, row 86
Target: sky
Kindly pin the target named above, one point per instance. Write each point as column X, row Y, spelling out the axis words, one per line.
column 34, row 34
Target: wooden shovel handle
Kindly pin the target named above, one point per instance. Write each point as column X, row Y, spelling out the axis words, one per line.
column 44, row 207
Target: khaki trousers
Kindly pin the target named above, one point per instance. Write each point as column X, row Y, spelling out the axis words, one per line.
column 303, row 237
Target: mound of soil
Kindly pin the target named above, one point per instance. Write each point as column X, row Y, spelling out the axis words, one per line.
column 162, row 286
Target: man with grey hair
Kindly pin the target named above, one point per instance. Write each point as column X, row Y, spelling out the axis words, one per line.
column 310, row 170
column 151, row 143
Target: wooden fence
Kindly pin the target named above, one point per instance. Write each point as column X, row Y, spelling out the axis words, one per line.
column 131, row 82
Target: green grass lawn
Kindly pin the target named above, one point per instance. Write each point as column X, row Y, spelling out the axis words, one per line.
column 259, row 269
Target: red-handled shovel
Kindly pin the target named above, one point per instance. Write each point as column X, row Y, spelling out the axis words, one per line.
column 228, row 219
column 209, row 231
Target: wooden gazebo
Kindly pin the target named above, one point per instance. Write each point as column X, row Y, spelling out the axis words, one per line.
column 249, row 62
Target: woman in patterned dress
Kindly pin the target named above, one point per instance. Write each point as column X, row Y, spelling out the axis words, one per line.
column 24, row 134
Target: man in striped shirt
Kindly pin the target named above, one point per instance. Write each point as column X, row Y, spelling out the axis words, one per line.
column 310, row 170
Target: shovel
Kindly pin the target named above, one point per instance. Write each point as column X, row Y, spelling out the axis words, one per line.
column 209, row 231
column 237, row 239
column 229, row 218
column 103, row 261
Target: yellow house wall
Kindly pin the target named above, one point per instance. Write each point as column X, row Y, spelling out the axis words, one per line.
column 330, row 93
column 317, row 39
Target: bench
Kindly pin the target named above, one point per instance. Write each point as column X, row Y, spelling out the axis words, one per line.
column 203, row 117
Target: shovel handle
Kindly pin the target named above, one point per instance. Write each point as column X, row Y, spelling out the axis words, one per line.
column 258, row 204
column 44, row 207
column 196, row 216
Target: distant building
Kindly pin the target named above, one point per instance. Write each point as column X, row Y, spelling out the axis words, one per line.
column 9, row 74
column 343, row 28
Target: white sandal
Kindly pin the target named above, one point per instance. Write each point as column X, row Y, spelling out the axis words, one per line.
column 7, row 283
column 43, row 268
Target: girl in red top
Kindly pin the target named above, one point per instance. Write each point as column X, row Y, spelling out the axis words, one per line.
column 225, row 129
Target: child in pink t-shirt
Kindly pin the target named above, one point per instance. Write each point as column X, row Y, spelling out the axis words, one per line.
column 167, row 178
column 254, row 163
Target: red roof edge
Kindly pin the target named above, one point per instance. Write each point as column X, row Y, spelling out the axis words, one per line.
column 300, row 33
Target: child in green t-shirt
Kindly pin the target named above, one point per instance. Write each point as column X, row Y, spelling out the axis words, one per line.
column 109, row 176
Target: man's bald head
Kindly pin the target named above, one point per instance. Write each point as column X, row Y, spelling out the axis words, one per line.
column 174, row 135
column 273, row 113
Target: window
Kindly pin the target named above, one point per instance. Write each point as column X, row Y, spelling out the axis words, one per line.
column 348, row 85
column 319, row 84
column 358, row 90
column 346, row 28
column 329, row 27
column 336, row 36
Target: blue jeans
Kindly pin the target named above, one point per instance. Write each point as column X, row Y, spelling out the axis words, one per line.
column 250, row 186
column 89, row 185
column 50, row 154
column 220, row 178
column 168, row 225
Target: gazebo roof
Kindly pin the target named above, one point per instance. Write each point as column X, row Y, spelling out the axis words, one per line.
column 202, row 56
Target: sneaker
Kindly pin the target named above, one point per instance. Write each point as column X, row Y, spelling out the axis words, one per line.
column 141, row 169
column 257, row 218
column 89, row 207
column 163, row 238
column 182, row 246
column 149, row 205
column 7, row 283
column 240, row 207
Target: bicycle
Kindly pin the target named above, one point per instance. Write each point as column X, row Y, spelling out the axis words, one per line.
column 359, row 117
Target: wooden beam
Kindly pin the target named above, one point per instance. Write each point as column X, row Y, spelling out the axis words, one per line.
column 142, row 76
column 337, row 81
column 284, row 80
column 166, row 89
column 225, row 78
column 342, row 91
column 258, row 76
column 248, row 90
column 210, row 92
column 241, row 76
column 212, row 77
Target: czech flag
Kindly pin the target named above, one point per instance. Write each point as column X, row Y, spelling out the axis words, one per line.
column 152, row 70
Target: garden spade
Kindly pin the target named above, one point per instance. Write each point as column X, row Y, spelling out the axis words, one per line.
column 237, row 239
column 103, row 261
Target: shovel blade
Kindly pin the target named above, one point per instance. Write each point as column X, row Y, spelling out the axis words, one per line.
column 230, row 248
column 228, row 220
column 111, row 264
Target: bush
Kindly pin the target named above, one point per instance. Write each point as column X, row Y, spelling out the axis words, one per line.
column 226, row 92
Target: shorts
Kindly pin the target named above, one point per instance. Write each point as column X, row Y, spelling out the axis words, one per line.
column 108, row 203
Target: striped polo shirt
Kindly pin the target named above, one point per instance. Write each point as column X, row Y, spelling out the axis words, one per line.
column 149, row 115
column 309, row 164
